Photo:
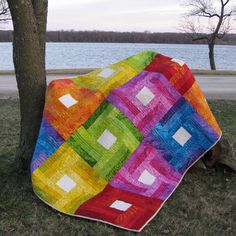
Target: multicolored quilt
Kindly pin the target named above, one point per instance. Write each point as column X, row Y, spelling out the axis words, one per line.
column 115, row 143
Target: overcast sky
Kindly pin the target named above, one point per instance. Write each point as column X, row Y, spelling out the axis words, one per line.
column 117, row 15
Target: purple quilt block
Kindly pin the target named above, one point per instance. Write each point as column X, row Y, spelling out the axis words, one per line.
column 145, row 99
column 48, row 142
column 147, row 173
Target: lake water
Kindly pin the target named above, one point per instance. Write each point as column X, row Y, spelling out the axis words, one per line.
column 93, row 55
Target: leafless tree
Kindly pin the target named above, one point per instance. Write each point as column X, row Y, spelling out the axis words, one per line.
column 4, row 11
column 29, row 19
column 208, row 20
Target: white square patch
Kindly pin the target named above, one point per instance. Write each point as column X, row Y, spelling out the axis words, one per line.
column 146, row 178
column 106, row 73
column 66, row 183
column 181, row 63
column 182, row 136
column 145, row 96
column 107, row 139
column 67, row 100
column 120, row 205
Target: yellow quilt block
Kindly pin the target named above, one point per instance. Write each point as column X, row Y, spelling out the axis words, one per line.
column 66, row 181
column 107, row 79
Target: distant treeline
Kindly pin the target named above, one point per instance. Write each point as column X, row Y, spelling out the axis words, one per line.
column 119, row 37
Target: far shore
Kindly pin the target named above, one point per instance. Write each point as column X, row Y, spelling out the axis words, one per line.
column 87, row 70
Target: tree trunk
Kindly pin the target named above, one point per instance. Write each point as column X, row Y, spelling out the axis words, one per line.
column 211, row 46
column 29, row 62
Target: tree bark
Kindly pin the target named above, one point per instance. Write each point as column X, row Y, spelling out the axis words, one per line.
column 29, row 61
column 212, row 55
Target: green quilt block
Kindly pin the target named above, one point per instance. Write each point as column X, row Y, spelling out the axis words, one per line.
column 106, row 140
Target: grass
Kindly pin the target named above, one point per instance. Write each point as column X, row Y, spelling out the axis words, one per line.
column 203, row 204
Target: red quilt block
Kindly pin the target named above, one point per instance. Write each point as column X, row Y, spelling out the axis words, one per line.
column 120, row 207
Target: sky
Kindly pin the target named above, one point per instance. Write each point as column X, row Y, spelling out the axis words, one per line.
column 115, row 15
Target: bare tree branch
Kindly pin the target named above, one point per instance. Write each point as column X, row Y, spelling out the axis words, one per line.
column 4, row 11
column 224, row 4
